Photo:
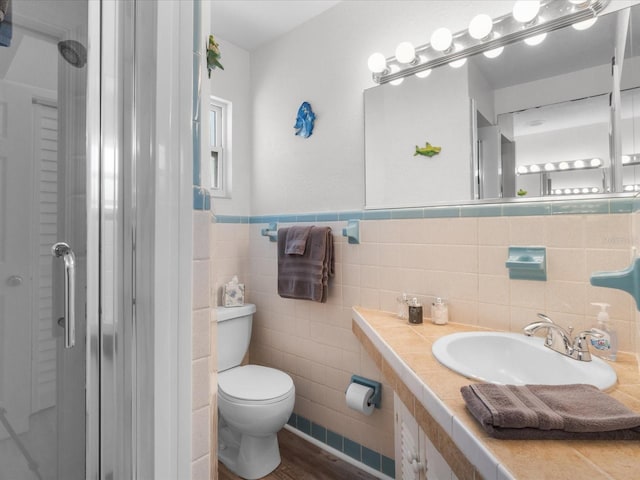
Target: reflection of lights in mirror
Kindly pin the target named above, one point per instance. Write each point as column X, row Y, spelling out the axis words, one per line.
column 397, row 81
column 486, row 35
column 631, row 159
column 584, row 24
column 576, row 190
column 562, row 166
column 535, row 40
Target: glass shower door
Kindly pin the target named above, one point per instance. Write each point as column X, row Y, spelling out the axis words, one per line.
column 43, row 185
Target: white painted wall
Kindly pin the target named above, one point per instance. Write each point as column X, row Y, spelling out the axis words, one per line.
column 325, row 62
column 234, row 84
column 399, row 119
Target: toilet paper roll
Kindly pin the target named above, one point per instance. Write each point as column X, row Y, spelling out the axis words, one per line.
column 358, row 397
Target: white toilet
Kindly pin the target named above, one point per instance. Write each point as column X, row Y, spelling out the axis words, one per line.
column 254, row 402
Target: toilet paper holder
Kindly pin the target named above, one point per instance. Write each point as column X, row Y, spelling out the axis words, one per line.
column 376, row 398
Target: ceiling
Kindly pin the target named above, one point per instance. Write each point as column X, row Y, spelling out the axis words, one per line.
column 249, row 24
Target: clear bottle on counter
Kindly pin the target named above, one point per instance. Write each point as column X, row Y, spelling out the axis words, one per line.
column 439, row 312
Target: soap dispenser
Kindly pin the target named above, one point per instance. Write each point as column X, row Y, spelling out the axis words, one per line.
column 606, row 346
column 439, row 312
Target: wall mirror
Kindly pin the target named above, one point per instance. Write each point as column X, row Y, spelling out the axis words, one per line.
column 550, row 117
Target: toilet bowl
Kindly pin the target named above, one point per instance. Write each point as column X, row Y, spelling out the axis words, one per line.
column 254, row 402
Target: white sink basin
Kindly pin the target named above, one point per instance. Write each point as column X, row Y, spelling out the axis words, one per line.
column 515, row 359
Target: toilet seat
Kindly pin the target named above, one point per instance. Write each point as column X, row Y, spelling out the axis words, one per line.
column 254, row 384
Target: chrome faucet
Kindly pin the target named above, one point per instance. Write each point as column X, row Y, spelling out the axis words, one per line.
column 559, row 340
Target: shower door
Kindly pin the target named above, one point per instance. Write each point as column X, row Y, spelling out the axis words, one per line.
column 43, row 203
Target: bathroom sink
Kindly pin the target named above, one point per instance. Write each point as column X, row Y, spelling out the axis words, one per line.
column 515, row 359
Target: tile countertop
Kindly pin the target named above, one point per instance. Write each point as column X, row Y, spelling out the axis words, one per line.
column 403, row 352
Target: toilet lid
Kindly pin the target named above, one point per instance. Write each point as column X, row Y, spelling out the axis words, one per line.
column 254, row 383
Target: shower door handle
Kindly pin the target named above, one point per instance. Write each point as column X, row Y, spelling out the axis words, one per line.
column 62, row 250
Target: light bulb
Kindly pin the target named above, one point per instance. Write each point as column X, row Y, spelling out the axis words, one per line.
column 585, row 24
column 628, row 188
column 578, row 164
column 534, row 168
column 377, row 63
column 424, row 73
column 458, row 63
column 525, row 11
column 595, row 162
column 480, row 26
column 441, row 39
column 576, row 190
column 585, row 190
column 567, row 191
column 595, row 190
column 535, row 40
column 625, row 159
column 563, row 165
column 405, row 52
column 522, row 169
column 397, row 81
column 549, row 167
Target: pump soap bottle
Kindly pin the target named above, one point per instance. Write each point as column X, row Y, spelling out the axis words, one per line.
column 607, row 346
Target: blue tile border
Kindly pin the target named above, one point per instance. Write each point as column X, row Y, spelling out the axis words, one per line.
column 580, row 207
column 362, row 454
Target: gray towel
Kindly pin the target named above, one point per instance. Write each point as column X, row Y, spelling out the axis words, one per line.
column 561, row 412
column 296, row 240
column 306, row 276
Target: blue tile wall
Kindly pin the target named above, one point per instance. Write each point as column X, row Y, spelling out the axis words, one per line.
column 600, row 206
column 201, row 197
column 371, row 458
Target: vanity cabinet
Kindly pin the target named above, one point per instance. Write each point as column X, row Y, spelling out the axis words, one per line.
column 416, row 456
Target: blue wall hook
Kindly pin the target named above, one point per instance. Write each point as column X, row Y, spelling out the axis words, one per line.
column 627, row 280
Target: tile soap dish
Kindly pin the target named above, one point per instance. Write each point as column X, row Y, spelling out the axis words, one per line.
column 527, row 263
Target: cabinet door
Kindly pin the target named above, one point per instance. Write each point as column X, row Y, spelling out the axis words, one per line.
column 410, row 459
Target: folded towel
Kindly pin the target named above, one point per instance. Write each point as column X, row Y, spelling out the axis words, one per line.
column 559, row 412
column 296, row 241
column 306, row 276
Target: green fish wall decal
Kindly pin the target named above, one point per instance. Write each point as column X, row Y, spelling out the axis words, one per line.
column 213, row 55
column 428, row 150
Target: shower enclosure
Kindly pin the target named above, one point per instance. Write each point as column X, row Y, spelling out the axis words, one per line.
column 44, row 162
column 95, row 238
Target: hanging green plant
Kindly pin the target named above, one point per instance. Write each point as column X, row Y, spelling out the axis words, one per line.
column 213, row 55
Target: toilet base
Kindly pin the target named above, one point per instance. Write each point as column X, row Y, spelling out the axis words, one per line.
column 247, row 456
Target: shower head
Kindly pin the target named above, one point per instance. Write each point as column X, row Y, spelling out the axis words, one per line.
column 73, row 52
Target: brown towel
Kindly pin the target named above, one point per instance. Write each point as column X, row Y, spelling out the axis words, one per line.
column 559, row 412
column 296, row 240
column 306, row 276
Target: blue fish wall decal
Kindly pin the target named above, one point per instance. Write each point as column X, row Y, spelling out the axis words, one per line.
column 304, row 120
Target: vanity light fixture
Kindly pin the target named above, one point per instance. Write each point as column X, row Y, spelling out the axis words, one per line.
column 406, row 53
column 530, row 18
column 525, row 11
column 480, row 26
column 631, row 159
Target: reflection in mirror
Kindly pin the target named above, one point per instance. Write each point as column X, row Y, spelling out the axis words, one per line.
column 552, row 104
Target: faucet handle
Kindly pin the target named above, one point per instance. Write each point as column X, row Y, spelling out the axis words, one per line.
column 542, row 316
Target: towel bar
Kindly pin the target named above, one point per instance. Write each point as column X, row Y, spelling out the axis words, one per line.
column 352, row 231
column 271, row 231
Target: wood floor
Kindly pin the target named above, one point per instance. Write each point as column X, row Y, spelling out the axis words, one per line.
column 302, row 460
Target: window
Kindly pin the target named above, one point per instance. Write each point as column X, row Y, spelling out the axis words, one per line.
column 220, row 147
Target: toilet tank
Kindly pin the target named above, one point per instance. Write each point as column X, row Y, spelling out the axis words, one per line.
column 234, row 333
